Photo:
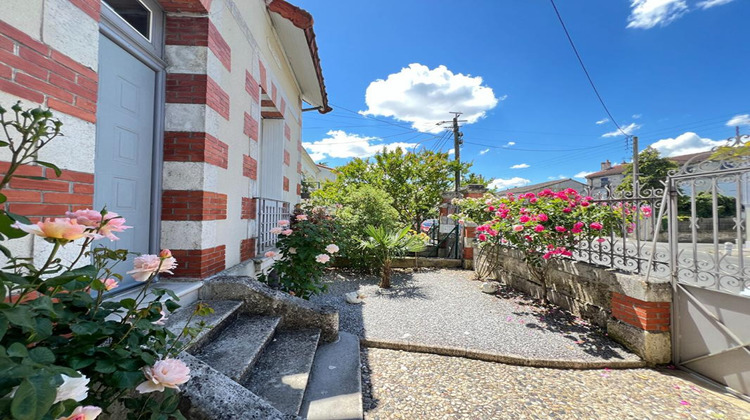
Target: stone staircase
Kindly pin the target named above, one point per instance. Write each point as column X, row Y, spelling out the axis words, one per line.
column 262, row 357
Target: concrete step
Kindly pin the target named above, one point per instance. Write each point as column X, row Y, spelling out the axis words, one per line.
column 235, row 351
column 335, row 388
column 281, row 374
column 225, row 311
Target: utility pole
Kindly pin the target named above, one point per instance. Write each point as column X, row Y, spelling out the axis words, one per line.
column 635, row 166
column 457, row 142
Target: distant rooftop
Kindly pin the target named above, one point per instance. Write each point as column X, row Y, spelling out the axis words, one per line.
column 552, row 185
column 680, row 160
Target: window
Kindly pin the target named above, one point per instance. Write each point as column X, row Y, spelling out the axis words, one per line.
column 135, row 13
column 604, row 182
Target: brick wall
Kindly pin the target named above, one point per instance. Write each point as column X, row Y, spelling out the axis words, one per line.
column 199, row 263
column 193, row 205
column 249, row 167
column 33, row 71
column 250, row 127
column 247, row 249
column 249, row 208
column 648, row 316
column 187, row 146
column 48, row 198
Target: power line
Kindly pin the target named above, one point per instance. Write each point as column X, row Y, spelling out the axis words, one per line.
column 588, row 76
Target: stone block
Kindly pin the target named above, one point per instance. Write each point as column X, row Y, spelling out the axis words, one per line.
column 654, row 347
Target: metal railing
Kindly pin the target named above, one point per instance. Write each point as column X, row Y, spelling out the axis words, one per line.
column 269, row 213
column 631, row 249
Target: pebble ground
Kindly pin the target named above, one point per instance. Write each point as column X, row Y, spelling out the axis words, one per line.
column 404, row 385
column 447, row 308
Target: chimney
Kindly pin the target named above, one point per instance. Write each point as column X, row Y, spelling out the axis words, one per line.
column 606, row 165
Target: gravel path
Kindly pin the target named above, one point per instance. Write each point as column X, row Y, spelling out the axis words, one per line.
column 446, row 308
column 403, row 385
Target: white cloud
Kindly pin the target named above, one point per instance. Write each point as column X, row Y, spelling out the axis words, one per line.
column 743, row 119
column 484, row 152
column 555, row 178
column 452, row 151
column 707, row 4
column 502, row 98
column 520, row 166
column 510, row 143
column 582, row 174
column 646, row 14
column 504, row 184
column 423, row 96
column 636, row 116
column 628, row 129
column 685, row 144
column 340, row 144
column 602, row 121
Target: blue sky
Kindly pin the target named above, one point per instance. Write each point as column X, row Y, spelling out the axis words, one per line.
column 673, row 72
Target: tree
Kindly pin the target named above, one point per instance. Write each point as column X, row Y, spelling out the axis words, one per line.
column 652, row 168
column 476, row 179
column 415, row 181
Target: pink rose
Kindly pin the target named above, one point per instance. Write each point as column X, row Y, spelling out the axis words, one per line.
column 533, row 200
column 482, row 237
column 113, row 222
column 283, row 222
column 596, row 226
column 88, row 412
column 332, row 249
column 524, row 219
column 538, row 228
column 276, row 230
column 292, row 250
column 517, row 228
column 561, row 229
column 542, row 217
column 287, row 232
column 110, row 284
column 270, row 254
column 60, row 228
column 600, row 240
column 322, row 258
column 585, row 203
column 167, row 373
column 148, row 265
column 567, row 210
column 301, row 217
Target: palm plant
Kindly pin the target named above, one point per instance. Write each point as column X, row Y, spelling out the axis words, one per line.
column 385, row 244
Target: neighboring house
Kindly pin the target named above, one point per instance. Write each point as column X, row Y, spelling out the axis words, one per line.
column 612, row 175
column 556, row 185
column 184, row 116
column 314, row 174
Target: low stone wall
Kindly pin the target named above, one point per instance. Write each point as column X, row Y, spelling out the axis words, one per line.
column 634, row 312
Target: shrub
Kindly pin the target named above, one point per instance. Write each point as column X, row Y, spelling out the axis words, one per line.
column 65, row 351
column 385, row 244
column 305, row 246
column 546, row 226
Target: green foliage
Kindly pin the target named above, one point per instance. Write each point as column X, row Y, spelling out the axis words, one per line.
column 474, row 210
column 414, row 181
column 305, row 245
column 476, row 179
column 652, row 168
column 54, row 320
column 726, row 206
column 385, row 244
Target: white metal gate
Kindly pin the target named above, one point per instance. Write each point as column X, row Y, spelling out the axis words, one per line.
column 708, row 208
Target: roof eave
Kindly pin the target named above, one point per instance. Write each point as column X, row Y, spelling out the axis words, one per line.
column 303, row 21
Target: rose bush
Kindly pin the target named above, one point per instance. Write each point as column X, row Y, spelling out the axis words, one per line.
column 66, row 352
column 305, row 247
column 545, row 226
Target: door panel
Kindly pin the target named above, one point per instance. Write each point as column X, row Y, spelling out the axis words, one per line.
column 124, row 146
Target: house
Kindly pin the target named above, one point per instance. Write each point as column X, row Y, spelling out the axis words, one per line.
column 556, row 185
column 611, row 176
column 183, row 116
column 315, row 174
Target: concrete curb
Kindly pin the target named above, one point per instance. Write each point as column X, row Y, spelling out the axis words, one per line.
column 489, row 356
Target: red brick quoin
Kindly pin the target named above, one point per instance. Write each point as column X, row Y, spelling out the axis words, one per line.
column 649, row 316
column 247, row 249
column 193, row 205
column 199, row 263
